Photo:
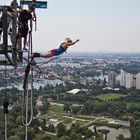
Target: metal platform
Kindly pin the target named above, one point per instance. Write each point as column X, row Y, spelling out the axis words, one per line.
column 2, row 51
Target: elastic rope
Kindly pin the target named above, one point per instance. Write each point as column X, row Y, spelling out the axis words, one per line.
column 25, row 86
column 46, row 62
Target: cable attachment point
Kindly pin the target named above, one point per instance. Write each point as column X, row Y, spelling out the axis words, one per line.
column 5, row 106
column 27, row 70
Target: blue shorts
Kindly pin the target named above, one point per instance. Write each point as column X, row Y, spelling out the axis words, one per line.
column 58, row 51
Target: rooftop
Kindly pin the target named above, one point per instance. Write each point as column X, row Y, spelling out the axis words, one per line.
column 74, row 91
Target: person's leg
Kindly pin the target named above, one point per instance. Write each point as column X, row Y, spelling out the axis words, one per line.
column 24, row 34
column 19, row 39
column 24, row 43
column 18, row 43
column 19, row 46
column 49, row 54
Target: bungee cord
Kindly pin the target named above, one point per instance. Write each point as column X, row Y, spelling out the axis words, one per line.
column 26, row 121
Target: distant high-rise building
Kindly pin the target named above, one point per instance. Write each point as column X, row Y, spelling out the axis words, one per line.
column 134, row 81
column 112, row 79
column 138, row 81
column 129, row 80
column 123, row 78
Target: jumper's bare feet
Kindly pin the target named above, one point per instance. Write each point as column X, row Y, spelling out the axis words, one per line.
column 32, row 62
column 32, row 57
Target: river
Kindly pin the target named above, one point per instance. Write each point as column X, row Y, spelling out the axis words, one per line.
column 37, row 84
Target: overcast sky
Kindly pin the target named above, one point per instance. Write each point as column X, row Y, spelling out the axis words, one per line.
column 101, row 25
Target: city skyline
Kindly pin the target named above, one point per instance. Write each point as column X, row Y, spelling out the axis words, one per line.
column 129, row 80
column 101, row 26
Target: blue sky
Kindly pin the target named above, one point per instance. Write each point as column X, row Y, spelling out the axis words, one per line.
column 101, row 25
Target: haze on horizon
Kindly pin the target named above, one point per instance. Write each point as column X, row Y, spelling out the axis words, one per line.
column 101, row 25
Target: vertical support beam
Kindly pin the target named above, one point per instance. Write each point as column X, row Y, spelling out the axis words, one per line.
column 5, row 35
column 14, row 53
column 5, row 127
column 5, row 27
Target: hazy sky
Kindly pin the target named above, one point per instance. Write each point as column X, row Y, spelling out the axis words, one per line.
column 101, row 25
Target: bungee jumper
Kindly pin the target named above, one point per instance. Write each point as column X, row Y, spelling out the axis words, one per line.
column 55, row 52
column 24, row 17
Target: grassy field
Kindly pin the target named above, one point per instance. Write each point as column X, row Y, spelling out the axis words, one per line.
column 56, row 108
column 67, row 120
column 110, row 96
column 129, row 104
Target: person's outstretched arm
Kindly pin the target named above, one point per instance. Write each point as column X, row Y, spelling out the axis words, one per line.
column 71, row 43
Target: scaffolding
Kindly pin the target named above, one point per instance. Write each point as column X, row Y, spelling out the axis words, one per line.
column 9, row 27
